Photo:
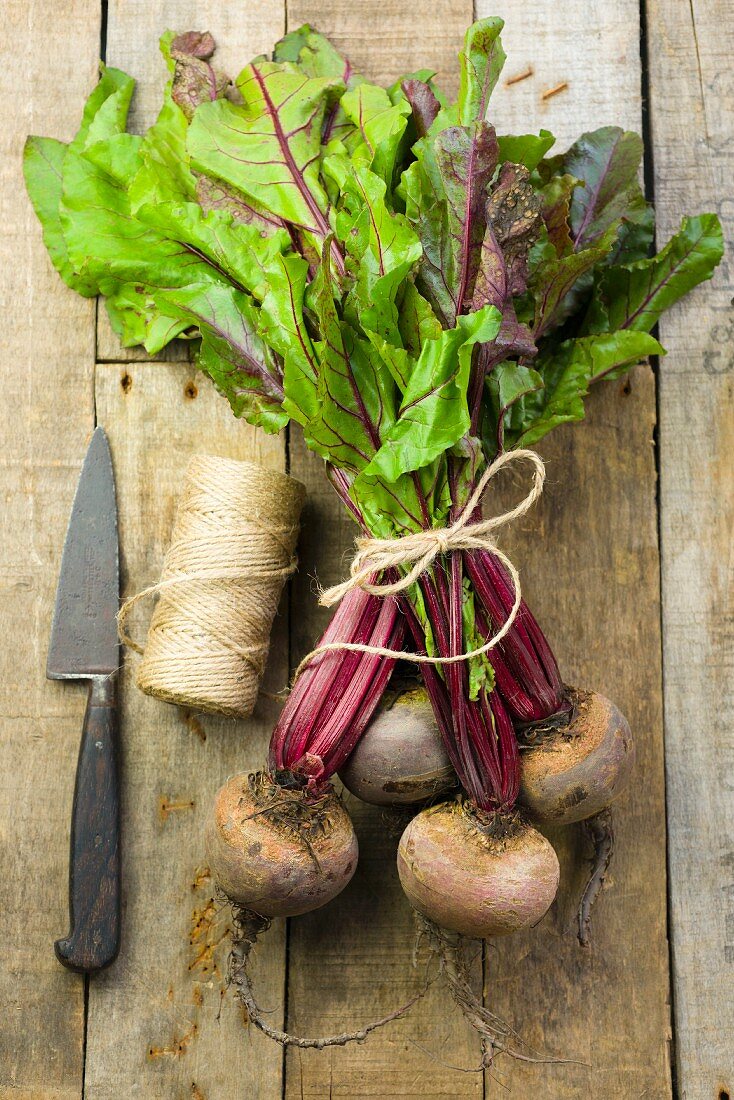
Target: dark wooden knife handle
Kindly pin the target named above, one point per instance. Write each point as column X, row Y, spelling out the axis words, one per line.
column 94, row 869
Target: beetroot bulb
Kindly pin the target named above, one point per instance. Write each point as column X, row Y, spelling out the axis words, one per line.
column 400, row 758
column 277, row 852
column 280, row 842
column 574, row 770
column 474, row 874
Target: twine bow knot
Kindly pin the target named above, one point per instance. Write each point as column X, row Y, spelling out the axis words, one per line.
column 420, row 549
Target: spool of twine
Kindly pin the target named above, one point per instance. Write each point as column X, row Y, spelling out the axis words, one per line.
column 232, row 548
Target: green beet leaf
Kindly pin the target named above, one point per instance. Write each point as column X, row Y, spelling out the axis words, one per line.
column 379, row 128
column 556, row 196
column 480, row 64
column 381, row 249
column 525, row 149
column 105, row 112
column 232, row 353
column 354, row 400
column 43, row 165
column 560, row 284
column 446, row 194
column 507, row 385
column 315, row 56
column 235, row 252
column 633, row 296
column 418, row 323
column 569, row 372
column 268, row 146
column 434, row 413
column 607, row 162
column 283, row 327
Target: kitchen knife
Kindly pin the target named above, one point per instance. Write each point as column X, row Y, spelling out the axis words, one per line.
column 84, row 646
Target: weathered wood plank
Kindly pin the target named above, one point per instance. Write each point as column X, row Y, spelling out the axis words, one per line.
column 161, row 1020
column 594, row 537
column 385, row 39
column 351, row 963
column 593, row 48
column 594, row 534
column 178, row 1033
column 46, row 359
column 691, row 99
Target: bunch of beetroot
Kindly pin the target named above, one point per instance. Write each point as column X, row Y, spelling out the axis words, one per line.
column 420, row 296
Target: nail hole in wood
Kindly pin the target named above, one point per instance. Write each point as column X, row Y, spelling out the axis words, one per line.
column 190, row 391
column 627, row 388
column 724, row 1095
column 126, row 382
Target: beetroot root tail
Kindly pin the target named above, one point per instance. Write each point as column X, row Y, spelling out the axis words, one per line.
column 452, row 952
column 600, row 828
column 247, row 928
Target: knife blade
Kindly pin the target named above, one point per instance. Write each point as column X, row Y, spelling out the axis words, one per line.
column 84, row 645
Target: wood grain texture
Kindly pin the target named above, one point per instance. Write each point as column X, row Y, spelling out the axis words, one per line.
column 589, row 562
column 153, row 1019
column 692, row 104
column 593, row 48
column 352, row 962
column 385, row 39
column 161, row 1019
column 594, row 534
column 46, row 415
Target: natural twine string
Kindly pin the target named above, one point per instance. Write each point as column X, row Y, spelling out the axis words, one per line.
column 232, row 547
column 420, row 549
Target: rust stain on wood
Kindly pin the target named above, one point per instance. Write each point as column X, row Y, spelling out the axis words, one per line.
column 193, row 723
column 555, row 90
column 519, row 76
column 202, row 877
column 168, row 806
column 209, row 930
column 176, row 1048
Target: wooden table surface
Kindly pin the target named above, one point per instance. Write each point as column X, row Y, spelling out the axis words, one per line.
column 634, row 532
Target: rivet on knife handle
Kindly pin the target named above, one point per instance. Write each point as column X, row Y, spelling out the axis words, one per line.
column 94, row 868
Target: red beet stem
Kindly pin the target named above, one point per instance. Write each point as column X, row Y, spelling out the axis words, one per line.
column 527, row 672
column 335, row 696
column 334, row 699
column 477, row 733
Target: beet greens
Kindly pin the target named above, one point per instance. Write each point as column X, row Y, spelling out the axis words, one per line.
column 415, row 292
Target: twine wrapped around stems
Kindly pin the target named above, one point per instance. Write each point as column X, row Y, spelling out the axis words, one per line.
column 420, row 549
column 232, row 548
